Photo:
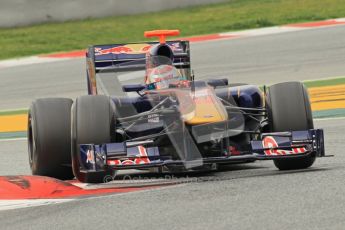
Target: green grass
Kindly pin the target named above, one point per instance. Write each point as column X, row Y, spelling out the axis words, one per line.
column 10, row 135
column 325, row 82
column 13, row 112
column 329, row 113
column 232, row 15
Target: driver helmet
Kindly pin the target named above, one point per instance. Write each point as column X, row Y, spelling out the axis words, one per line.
column 162, row 76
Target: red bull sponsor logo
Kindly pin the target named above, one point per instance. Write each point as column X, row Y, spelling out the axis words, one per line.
column 124, row 49
column 271, row 144
column 140, row 48
column 140, row 158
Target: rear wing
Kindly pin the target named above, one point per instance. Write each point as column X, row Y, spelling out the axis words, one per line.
column 107, row 56
column 130, row 57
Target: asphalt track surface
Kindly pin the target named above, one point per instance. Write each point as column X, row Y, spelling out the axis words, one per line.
column 247, row 196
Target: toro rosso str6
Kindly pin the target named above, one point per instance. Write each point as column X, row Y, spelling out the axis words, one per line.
column 170, row 122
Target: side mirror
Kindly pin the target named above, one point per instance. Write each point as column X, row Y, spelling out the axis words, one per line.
column 133, row 88
column 218, row 82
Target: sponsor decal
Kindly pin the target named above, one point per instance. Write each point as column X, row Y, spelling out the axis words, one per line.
column 175, row 46
column 153, row 118
column 90, row 157
column 272, row 145
column 270, row 142
column 140, row 158
column 125, row 49
column 132, row 49
column 113, row 50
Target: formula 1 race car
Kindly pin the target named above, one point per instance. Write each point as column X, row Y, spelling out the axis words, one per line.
column 171, row 122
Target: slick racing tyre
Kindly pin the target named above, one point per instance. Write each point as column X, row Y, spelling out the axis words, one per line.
column 289, row 109
column 49, row 137
column 93, row 122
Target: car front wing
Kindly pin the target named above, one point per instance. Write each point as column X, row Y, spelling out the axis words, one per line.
column 140, row 155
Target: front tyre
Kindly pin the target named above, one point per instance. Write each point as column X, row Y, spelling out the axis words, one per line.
column 93, row 122
column 49, row 138
column 289, row 109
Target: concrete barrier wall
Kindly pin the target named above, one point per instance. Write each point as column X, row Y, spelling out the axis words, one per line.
column 28, row 12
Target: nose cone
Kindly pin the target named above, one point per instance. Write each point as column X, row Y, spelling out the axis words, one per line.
column 207, row 108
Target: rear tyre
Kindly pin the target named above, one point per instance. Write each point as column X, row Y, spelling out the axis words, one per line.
column 93, row 122
column 289, row 109
column 49, row 138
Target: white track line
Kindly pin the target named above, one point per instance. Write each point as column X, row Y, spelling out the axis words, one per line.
column 324, row 79
column 15, row 204
column 29, row 61
column 264, row 31
column 339, row 19
column 13, row 139
column 329, row 118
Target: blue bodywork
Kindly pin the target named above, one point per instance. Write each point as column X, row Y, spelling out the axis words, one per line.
column 248, row 96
